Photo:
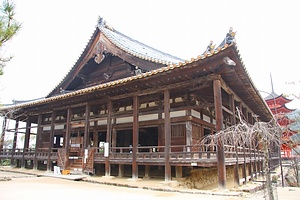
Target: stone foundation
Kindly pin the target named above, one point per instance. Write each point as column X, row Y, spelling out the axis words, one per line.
column 201, row 177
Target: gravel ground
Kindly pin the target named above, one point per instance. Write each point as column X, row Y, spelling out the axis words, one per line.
column 25, row 187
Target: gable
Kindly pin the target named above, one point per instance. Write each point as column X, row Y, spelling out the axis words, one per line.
column 111, row 55
column 109, row 69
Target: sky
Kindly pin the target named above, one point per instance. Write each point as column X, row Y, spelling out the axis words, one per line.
column 54, row 34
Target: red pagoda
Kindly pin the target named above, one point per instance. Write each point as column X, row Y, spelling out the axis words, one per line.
column 277, row 104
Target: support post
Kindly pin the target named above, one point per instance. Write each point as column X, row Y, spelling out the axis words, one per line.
column 219, row 127
column 108, row 135
column 3, row 134
column 178, row 171
column 13, row 161
column 121, row 171
column 37, row 142
column 26, row 143
column 189, row 137
column 233, row 122
column 52, row 130
column 147, row 172
column 167, row 128
column 114, row 138
column 135, row 137
column 95, row 136
column 68, row 136
column 86, row 126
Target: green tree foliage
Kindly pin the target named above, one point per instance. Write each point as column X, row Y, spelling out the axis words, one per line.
column 8, row 28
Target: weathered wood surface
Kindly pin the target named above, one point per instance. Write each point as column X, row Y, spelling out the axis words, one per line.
column 205, row 155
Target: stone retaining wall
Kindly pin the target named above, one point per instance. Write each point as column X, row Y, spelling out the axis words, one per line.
column 200, row 177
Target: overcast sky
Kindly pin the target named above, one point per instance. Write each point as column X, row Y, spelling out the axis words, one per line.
column 55, row 33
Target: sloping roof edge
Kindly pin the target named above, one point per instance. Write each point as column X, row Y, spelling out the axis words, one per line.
column 113, row 83
column 133, row 47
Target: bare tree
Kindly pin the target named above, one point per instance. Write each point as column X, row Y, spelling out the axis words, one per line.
column 261, row 135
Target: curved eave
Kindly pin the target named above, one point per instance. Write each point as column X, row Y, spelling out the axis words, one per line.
column 74, row 70
column 141, row 51
column 242, row 84
column 282, row 109
column 111, row 84
column 240, row 81
column 279, row 98
column 136, row 48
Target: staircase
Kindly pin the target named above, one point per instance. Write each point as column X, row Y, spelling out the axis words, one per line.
column 75, row 165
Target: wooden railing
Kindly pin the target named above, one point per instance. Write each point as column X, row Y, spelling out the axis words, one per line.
column 145, row 153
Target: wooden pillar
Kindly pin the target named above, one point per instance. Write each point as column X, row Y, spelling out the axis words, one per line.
column 167, row 127
column 2, row 136
column 108, row 135
column 114, row 138
column 3, row 133
column 236, row 178
column 15, row 139
column 121, row 171
column 188, row 128
column 135, row 136
column 219, row 127
column 86, row 137
column 37, row 141
column 178, row 171
column 250, row 162
column 95, row 135
column 26, row 142
column 244, row 166
column 147, row 172
column 255, row 161
column 160, row 126
column 52, row 130
column 68, row 136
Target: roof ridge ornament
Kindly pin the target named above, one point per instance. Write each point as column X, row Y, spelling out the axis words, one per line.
column 103, row 24
column 101, row 21
column 228, row 40
column 210, row 48
column 230, row 37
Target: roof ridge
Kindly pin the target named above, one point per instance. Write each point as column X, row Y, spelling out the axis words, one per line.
column 142, row 51
column 116, row 82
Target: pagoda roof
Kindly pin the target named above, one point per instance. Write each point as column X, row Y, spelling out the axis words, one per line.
column 279, row 99
column 281, row 109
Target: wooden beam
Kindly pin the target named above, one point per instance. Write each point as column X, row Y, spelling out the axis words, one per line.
column 154, row 90
column 38, row 141
column 236, row 175
column 13, row 161
column 135, row 136
column 86, row 126
column 68, row 135
column 227, row 89
column 219, row 127
column 108, row 135
column 49, row 163
column 95, row 135
column 167, row 128
column 3, row 132
column 26, row 142
column 227, row 110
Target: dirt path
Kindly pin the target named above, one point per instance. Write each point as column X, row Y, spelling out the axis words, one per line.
column 27, row 187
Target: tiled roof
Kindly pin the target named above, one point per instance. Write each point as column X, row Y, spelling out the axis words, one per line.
column 135, row 47
column 114, row 83
column 129, row 45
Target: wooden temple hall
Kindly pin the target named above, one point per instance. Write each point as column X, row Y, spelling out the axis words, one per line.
column 127, row 109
